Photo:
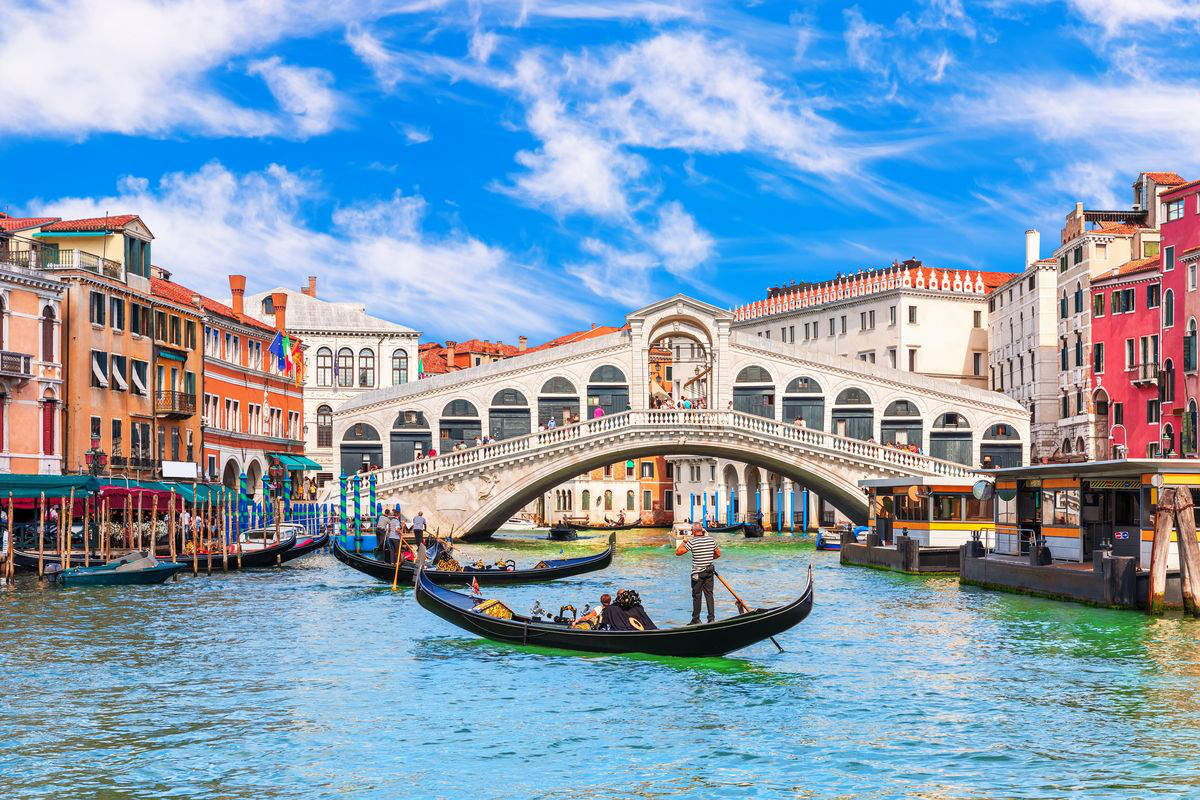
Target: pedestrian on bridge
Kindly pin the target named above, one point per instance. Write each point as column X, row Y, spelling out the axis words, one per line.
column 704, row 550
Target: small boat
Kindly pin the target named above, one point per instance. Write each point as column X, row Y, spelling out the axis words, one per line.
column 827, row 540
column 518, row 524
column 563, row 533
column 607, row 526
column 712, row 639
column 135, row 569
column 304, row 545
column 735, row 528
column 544, row 571
column 255, row 554
column 752, row 531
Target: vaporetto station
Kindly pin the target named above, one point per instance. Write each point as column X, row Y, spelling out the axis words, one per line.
column 747, row 394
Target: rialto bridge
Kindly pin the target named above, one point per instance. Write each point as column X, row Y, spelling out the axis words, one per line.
column 746, row 395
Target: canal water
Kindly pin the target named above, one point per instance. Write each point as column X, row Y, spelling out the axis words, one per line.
column 315, row 681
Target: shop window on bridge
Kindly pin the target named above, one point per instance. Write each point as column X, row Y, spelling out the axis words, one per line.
column 361, row 447
column 853, row 415
column 950, row 438
column 559, row 401
column 409, row 437
column 460, row 424
column 508, row 415
column 324, row 426
column 901, row 425
column 804, row 400
column 1001, row 445
column 607, row 390
column 754, row 392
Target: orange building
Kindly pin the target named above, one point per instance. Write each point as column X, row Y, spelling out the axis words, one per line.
column 30, row 366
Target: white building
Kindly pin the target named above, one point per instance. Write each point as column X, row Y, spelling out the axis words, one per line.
column 1023, row 357
column 348, row 352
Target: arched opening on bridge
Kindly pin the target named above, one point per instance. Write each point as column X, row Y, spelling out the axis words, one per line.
column 803, row 400
column 853, row 414
column 361, row 447
column 1000, row 447
column 607, row 390
column 230, row 477
column 731, row 498
column 508, row 415
column 410, row 437
column 459, row 424
column 558, row 401
column 950, row 438
column 680, row 370
column 901, row 425
column 254, row 480
column 754, row 493
column 754, row 392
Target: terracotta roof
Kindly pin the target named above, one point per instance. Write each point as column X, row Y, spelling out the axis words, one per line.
column 1180, row 187
column 993, row 280
column 1137, row 266
column 8, row 223
column 110, row 223
column 169, row 290
column 579, row 336
column 1164, row 178
column 490, row 348
column 1114, row 228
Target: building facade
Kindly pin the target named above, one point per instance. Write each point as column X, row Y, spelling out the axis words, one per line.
column 348, row 352
column 637, row 490
column 1023, row 345
column 1180, row 262
column 31, row 379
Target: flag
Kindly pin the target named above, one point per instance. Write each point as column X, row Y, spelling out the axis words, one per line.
column 287, row 354
column 276, row 349
column 298, row 361
column 474, row 586
column 420, row 367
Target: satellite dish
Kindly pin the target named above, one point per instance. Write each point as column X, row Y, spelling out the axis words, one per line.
column 983, row 490
column 917, row 492
column 1156, row 480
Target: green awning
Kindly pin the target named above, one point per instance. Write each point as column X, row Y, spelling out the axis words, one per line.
column 171, row 354
column 296, row 462
column 203, row 492
column 32, row 486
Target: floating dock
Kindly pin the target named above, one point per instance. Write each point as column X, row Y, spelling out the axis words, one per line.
column 905, row 555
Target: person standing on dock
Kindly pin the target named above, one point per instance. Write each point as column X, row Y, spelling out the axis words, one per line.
column 418, row 528
column 704, row 550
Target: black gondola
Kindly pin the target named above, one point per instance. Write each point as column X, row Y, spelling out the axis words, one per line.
column 556, row 568
column 251, row 559
column 305, row 545
column 735, row 528
column 711, row 639
column 752, row 531
column 562, row 533
column 583, row 526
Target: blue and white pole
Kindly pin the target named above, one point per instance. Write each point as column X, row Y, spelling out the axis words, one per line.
column 342, row 508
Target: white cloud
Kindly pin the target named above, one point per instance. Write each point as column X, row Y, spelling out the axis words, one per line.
column 680, row 243
column 302, row 93
column 622, row 276
column 214, row 221
column 1116, row 16
column 482, row 44
column 414, row 135
column 648, row 10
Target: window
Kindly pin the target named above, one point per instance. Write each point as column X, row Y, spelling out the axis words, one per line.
column 399, row 367
column 912, row 359
column 99, row 376
column 138, row 373
column 977, row 320
column 1079, row 403
column 1031, row 277
column 647, row 500
column 1063, row 355
column 48, row 335
column 1152, row 411
column 176, row 331
column 1192, row 277
column 324, row 367
column 324, row 426
column 1078, row 350
column 1130, row 354
column 160, row 326
column 1066, row 408
column 1153, row 296
column 1078, row 298
column 120, row 382
column 1098, row 357
column 862, row 320
column 912, row 315
column 647, row 469
column 189, row 334
column 344, row 370
column 976, row 361
column 892, row 357
column 843, row 324
column 630, row 500
column 1168, row 258
column 96, row 309
column 366, row 368
column 1098, row 304
column 892, row 315
column 1077, row 254
column 117, row 452
column 175, row 443
column 95, row 427
column 1174, row 210
column 791, row 336
column 1062, row 263
column 831, row 326
column 1118, row 413
column 116, row 313
column 1168, row 312
column 191, row 447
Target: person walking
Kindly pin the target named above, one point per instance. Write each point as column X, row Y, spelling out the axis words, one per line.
column 418, row 528
column 704, row 550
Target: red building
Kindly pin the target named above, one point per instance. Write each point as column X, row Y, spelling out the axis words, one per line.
column 1181, row 308
column 1126, row 325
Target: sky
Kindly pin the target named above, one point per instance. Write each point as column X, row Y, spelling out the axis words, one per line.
column 493, row 169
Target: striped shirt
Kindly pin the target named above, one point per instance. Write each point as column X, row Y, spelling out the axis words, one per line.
column 701, row 548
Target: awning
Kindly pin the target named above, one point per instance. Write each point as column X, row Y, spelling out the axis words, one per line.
column 32, row 486
column 171, row 354
column 292, row 462
column 202, row 492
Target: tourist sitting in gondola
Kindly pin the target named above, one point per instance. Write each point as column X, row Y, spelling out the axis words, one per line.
column 626, row 614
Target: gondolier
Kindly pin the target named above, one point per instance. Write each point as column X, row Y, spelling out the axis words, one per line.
column 704, row 550
column 418, row 528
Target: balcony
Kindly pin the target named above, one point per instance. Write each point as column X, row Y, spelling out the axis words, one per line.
column 78, row 259
column 1145, row 373
column 174, row 404
column 16, row 365
column 21, row 252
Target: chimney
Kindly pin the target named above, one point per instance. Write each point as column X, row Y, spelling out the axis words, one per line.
column 311, row 289
column 1033, row 247
column 450, row 345
column 279, row 303
column 522, row 342
column 593, row 326
column 237, row 292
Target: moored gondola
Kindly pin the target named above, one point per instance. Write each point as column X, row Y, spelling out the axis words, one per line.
column 545, row 571
column 304, row 545
column 586, row 526
column 711, row 639
column 734, row 528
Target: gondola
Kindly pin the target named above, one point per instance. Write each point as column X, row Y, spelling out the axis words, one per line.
column 253, row 556
column 584, row 526
column 711, row 639
column 735, row 528
column 828, row 541
column 304, row 545
column 562, row 533
column 752, row 531
column 556, row 568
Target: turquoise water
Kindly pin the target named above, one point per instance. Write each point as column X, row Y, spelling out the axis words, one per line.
column 315, row 681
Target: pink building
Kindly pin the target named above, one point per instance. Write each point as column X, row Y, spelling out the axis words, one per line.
column 1180, row 261
column 1126, row 324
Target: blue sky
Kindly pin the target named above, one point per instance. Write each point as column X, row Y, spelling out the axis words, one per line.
column 495, row 169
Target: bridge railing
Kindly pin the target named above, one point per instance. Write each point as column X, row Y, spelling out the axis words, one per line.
column 669, row 419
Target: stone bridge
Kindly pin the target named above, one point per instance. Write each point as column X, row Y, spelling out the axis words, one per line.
column 752, row 391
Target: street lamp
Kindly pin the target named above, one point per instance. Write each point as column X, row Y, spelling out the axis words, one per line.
column 95, row 458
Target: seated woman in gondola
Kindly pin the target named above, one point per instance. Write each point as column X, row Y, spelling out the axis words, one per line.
column 626, row 614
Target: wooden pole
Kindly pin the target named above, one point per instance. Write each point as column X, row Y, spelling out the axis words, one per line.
column 87, row 549
column 41, row 535
column 107, row 545
column 208, row 532
column 223, row 526
column 172, row 515
column 139, row 522
column 8, row 567
column 68, row 510
column 154, row 527
column 1164, row 517
column 1189, row 552
column 128, row 521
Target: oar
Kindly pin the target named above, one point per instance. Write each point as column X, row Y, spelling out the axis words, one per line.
column 742, row 607
column 396, row 573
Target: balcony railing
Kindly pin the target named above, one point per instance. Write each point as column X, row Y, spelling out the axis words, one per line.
column 1145, row 373
column 78, row 259
column 22, row 252
column 180, row 403
column 16, row 365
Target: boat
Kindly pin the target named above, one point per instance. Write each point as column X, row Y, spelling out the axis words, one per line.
column 519, row 524
column 752, row 531
column 827, row 540
column 587, row 526
column 562, row 533
column 710, row 639
column 735, row 528
column 254, row 554
column 304, row 545
column 135, row 569
column 545, row 571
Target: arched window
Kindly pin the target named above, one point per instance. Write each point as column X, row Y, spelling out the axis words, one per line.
column 1189, row 347
column 324, row 367
column 1168, row 311
column 361, row 447
column 324, row 426
column 608, row 500
column 48, row 334
column 1066, row 446
column 753, row 374
column 559, row 401
column 607, row 390
column 509, row 397
column 803, row 400
column 852, row 397
column 366, row 368
column 853, row 415
column 460, row 408
column 558, row 386
column 629, row 501
column 508, row 415
column 1168, row 381
column 754, row 392
column 1078, row 297
column 399, row 367
column 607, row 374
column 345, row 367
column 950, row 438
column 585, row 502
column 1188, row 435
column 459, row 424
column 901, row 424
column 3, row 314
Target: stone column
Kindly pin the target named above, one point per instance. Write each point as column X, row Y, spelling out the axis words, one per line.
column 789, row 504
column 764, row 490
